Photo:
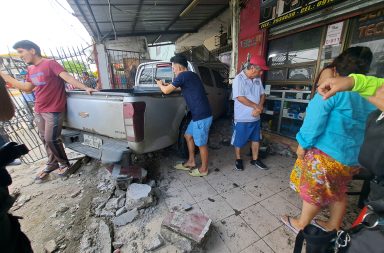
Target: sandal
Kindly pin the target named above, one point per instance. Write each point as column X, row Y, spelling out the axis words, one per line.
column 197, row 173
column 43, row 175
column 181, row 166
column 316, row 223
column 287, row 221
column 63, row 171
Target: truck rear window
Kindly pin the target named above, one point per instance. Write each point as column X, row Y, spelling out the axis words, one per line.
column 165, row 73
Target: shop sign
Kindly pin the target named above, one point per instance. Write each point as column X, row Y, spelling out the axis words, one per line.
column 274, row 12
column 369, row 27
column 334, row 34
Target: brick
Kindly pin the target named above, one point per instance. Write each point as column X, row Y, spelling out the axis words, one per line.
column 192, row 226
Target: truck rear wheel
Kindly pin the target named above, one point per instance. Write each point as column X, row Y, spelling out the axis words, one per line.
column 182, row 147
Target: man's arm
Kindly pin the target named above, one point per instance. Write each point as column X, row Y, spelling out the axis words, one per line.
column 166, row 88
column 77, row 84
column 24, row 86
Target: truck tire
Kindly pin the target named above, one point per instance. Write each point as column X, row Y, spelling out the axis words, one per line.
column 182, row 148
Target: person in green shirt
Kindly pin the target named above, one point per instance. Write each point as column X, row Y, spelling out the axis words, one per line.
column 369, row 87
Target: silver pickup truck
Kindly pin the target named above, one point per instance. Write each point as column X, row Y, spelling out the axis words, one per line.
column 139, row 120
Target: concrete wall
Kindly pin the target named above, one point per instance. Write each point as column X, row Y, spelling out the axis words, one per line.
column 205, row 34
column 137, row 44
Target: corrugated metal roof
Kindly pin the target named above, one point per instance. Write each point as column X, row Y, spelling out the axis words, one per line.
column 158, row 20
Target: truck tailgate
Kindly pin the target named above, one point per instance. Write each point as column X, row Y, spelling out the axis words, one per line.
column 100, row 113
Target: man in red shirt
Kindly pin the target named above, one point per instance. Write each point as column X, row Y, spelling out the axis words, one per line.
column 47, row 79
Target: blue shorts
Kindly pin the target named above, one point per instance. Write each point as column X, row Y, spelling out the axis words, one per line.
column 199, row 130
column 245, row 132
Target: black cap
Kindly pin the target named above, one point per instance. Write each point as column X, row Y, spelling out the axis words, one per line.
column 180, row 59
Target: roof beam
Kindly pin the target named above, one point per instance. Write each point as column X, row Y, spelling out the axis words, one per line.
column 143, row 33
column 85, row 18
column 94, row 19
column 137, row 15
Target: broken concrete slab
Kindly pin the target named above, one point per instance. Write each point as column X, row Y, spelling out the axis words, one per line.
column 156, row 242
column 126, row 218
column 104, row 240
column 186, row 231
column 120, row 202
column 119, row 193
column 138, row 196
column 121, row 211
column 112, row 204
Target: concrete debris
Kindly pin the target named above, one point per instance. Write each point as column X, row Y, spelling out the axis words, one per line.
column 121, row 211
column 111, row 204
column 117, row 245
column 119, row 193
column 23, row 199
column 126, row 218
column 120, row 202
column 122, row 182
column 76, row 193
column 62, row 209
column 156, row 242
column 106, row 185
column 104, row 240
column 50, row 246
column 106, row 213
column 96, row 238
column 138, row 196
column 281, row 149
column 188, row 232
column 187, row 207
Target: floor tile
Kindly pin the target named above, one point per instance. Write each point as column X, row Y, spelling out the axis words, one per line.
column 292, row 197
column 278, row 206
column 238, row 199
column 275, row 184
column 259, row 247
column 215, row 244
column 216, row 208
column 240, row 178
column 177, row 199
column 237, row 235
column 260, row 220
column 258, row 190
column 201, row 191
column 282, row 240
column 221, row 185
column 188, row 180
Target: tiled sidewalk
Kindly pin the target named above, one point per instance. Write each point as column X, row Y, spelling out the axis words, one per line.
column 244, row 206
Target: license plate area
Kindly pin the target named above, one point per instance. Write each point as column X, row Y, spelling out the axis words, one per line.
column 92, row 141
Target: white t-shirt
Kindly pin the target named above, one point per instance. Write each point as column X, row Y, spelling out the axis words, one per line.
column 252, row 89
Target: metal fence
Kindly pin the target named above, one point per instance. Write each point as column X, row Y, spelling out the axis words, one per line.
column 123, row 66
column 22, row 128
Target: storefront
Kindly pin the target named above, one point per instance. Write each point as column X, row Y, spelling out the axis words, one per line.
column 302, row 38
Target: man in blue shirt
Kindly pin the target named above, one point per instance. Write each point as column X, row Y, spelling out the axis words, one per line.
column 197, row 102
column 248, row 96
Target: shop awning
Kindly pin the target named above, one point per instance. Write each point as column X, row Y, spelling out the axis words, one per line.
column 158, row 20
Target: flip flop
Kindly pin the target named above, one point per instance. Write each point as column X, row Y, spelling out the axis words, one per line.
column 315, row 223
column 63, row 171
column 287, row 221
column 181, row 166
column 197, row 173
column 43, row 175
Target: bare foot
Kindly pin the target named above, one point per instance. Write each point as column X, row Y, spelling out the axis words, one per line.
column 189, row 164
column 296, row 224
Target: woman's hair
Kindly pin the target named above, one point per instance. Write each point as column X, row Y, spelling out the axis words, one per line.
column 354, row 60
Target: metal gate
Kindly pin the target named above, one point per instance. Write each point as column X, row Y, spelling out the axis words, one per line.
column 21, row 128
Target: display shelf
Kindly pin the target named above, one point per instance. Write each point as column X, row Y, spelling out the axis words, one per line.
column 278, row 104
